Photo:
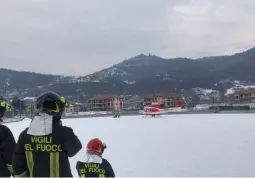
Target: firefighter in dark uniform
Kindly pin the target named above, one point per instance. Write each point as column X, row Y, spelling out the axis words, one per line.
column 95, row 165
column 43, row 149
column 7, row 145
column 3, row 107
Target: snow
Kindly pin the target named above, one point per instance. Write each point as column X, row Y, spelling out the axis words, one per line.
column 236, row 82
column 95, row 81
column 238, row 85
column 30, row 98
column 230, row 91
column 201, row 107
column 209, row 91
column 174, row 145
column 167, row 78
column 237, row 88
column 130, row 82
column 114, row 72
column 206, row 93
column 203, row 91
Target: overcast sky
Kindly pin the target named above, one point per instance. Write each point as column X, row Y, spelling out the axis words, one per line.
column 79, row 37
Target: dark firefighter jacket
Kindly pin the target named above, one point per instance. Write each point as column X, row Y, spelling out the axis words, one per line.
column 2, row 111
column 95, row 169
column 7, row 146
column 45, row 156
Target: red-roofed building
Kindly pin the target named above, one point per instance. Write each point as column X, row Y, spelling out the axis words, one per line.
column 106, row 103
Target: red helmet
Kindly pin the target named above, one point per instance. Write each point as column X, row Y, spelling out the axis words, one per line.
column 96, row 146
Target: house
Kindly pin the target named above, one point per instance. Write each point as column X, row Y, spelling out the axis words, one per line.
column 243, row 96
column 106, row 103
column 29, row 100
column 148, row 99
column 70, row 109
column 75, row 107
column 164, row 99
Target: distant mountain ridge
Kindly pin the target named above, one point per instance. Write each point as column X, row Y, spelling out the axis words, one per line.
column 239, row 66
column 140, row 74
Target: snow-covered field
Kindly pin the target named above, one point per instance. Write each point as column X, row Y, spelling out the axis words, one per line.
column 175, row 145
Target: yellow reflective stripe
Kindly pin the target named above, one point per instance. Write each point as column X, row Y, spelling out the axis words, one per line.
column 83, row 176
column 62, row 99
column 101, row 176
column 57, row 109
column 54, row 164
column 24, row 174
column 30, row 162
column 9, row 167
column 7, row 106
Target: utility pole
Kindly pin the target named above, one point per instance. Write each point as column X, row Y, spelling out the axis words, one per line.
column 20, row 107
column 77, row 92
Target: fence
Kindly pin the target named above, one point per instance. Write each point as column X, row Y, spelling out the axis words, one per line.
column 14, row 119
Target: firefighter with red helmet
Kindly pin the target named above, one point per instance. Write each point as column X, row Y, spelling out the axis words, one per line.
column 94, row 165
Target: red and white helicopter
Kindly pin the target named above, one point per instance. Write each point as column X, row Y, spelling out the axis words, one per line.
column 155, row 109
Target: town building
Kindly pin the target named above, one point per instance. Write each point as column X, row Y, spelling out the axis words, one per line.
column 164, row 99
column 243, row 96
column 75, row 107
column 106, row 103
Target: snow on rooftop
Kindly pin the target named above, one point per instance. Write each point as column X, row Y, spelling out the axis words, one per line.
column 30, row 98
column 201, row 107
column 129, row 82
column 237, row 88
column 203, row 91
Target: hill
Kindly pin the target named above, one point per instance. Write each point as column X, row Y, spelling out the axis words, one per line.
column 140, row 74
